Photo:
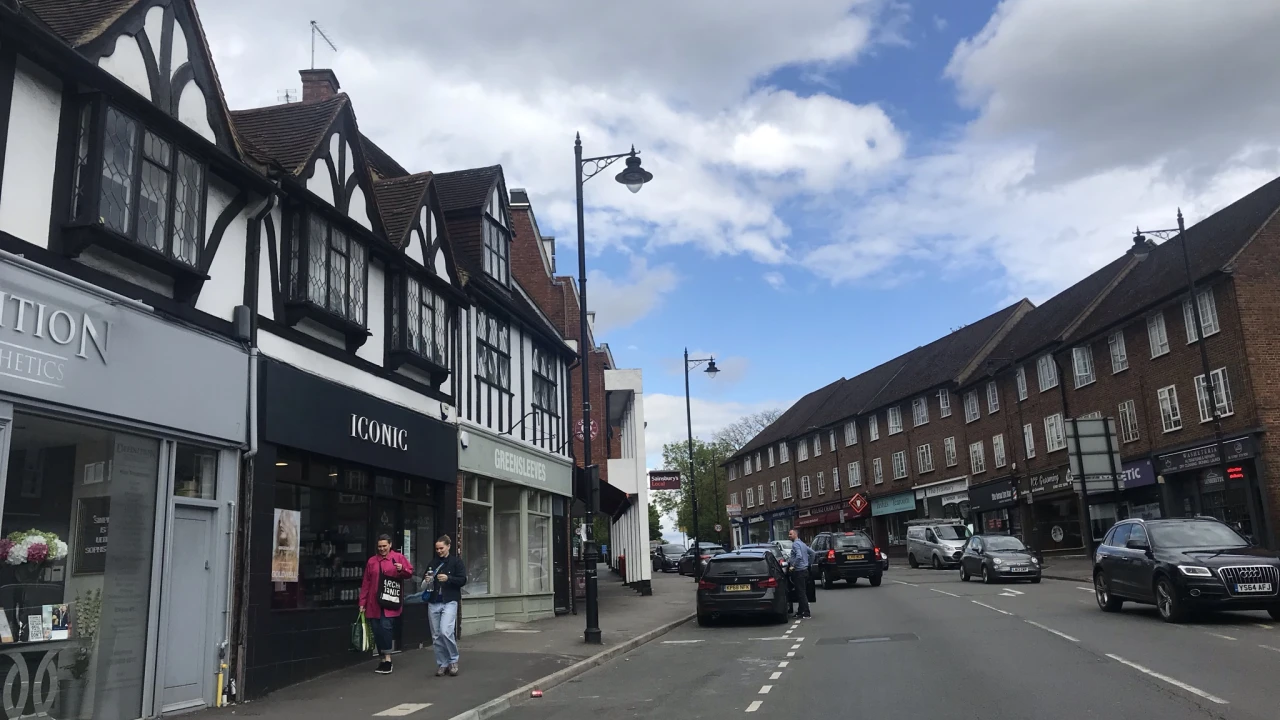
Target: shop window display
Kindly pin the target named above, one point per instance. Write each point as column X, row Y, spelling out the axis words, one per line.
column 74, row 606
column 477, row 509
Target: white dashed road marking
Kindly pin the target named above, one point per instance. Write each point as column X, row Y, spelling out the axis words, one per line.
column 791, row 654
column 1262, row 625
column 764, row 689
column 795, row 647
column 1002, row 612
column 1176, row 683
column 1055, row 632
column 906, row 583
column 402, row 709
column 1268, row 647
column 776, row 676
column 944, row 592
column 680, row 642
column 1081, row 587
column 1011, row 590
column 784, row 663
column 754, row 706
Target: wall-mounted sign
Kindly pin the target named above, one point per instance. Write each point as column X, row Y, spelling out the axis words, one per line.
column 379, row 433
column 734, row 511
column 889, row 504
column 1205, row 456
column 595, row 430
column 991, row 496
column 664, row 479
column 1059, row 479
column 947, row 487
column 92, row 527
column 490, row 457
column 858, row 503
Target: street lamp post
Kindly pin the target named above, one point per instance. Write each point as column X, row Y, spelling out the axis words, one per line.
column 1141, row 249
column 693, row 486
column 634, row 177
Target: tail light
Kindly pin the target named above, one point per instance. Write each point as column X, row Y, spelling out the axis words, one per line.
column 704, row 585
column 877, row 552
column 831, row 555
column 769, row 583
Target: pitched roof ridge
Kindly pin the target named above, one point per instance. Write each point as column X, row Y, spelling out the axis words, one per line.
column 217, row 80
column 415, row 177
column 337, row 97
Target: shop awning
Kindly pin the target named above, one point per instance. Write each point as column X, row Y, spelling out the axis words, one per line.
column 613, row 501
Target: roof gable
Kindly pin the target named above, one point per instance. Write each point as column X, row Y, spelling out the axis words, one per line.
column 414, row 222
column 465, row 196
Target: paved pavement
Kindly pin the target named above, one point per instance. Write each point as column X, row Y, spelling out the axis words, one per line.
column 925, row 644
column 492, row 664
column 1069, row 567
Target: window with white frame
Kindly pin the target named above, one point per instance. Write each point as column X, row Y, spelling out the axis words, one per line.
column 899, row 464
column 770, row 456
column 993, row 397
column 1095, row 415
column 1119, row 356
column 802, row 450
column 1157, row 335
column 971, row 409
column 817, row 445
column 760, row 492
column 1082, row 363
column 919, row 411
column 493, row 349
column 855, row 474
column 497, row 240
column 733, row 498
column 944, row 402
column 746, row 466
column 873, row 427
column 895, row 420
column 805, row 490
column 835, row 479
column 1047, row 372
column 733, row 473
column 1208, row 316
column 1055, row 433
column 1128, row 422
column 758, row 466
column 1170, row 413
column 822, row 484
column 832, row 440
column 924, row 458
column 751, row 497
column 1222, row 391
column 977, row 458
column 877, row 471
column 851, row 433
column 1029, row 440
column 786, row 488
column 949, row 451
column 783, row 454
column 997, row 450
column 1021, row 377
column 773, row 491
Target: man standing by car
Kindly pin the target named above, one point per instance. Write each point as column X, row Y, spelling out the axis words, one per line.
column 800, row 558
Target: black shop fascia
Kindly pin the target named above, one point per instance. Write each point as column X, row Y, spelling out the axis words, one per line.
column 336, row 469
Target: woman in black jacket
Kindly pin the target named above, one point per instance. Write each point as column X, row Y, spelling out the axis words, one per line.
column 443, row 595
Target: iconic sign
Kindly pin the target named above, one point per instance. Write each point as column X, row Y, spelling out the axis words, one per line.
column 858, row 503
column 362, row 428
column 664, row 479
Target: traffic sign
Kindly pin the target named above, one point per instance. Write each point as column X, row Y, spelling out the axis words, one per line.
column 719, row 527
column 857, row 503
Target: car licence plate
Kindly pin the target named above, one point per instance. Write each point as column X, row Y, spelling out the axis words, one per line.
column 737, row 588
column 854, row 557
column 1253, row 588
column 1018, row 569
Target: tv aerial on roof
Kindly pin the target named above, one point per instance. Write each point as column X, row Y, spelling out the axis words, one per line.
column 315, row 30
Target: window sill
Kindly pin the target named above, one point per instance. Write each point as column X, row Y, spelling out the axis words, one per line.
column 295, row 311
column 77, row 238
column 1166, row 352
column 399, row 357
column 1174, row 430
column 1081, row 386
column 1117, row 372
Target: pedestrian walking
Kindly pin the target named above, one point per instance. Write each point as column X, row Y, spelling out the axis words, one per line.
column 443, row 594
column 381, row 596
column 801, row 559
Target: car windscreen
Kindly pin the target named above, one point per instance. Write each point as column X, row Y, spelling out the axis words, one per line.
column 672, row 549
column 729, row 567
column 999, row 543
column 952, row 532
column 857, row 542
column 1195, row 535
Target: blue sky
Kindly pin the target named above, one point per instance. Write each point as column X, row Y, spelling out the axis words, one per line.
column 836, row 181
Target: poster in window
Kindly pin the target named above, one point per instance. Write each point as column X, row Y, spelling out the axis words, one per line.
column 284, row 556
column 90, row 552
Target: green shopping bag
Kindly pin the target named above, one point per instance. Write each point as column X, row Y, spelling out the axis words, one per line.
column 361, row 634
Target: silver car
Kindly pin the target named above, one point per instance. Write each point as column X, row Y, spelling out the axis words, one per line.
column 938, row 544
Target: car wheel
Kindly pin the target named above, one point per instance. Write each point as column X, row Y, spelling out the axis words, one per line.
column 780, row 618
column 704, row 619
column 964, row 573
column 1168, row 602
column 987, row 577
column 937, row 563
column 1035, row 581
column 911, row 560
column 876, row 580
column 1102, row 593
column 853, row 581
column 826, row 580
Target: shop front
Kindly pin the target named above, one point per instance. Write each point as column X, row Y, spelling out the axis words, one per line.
column 891, row 514
column 947, row 499
column 757, row 530
column 513, row 498
column 780, row 522
column 1194, row 484
column 114, row 425
column 336, row 470
column 1140, row 491
column 820, row 518
column 993, row 508
column 1055, row 511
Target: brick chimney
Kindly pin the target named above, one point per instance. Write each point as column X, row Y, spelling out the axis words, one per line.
column 318, row 84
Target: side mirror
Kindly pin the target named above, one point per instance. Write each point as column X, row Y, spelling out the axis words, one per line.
column 1135, row 544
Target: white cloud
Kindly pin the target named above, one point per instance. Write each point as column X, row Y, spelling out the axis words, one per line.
column 665, row 417
column 620, row 302
column 776, row 280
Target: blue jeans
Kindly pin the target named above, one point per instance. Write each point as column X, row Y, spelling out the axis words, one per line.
column 444, row 619
column 384, row 629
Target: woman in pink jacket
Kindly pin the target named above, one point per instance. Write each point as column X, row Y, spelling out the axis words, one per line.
column 382, row 596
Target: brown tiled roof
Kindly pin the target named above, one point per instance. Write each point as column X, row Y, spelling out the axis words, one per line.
column 379, row 161
column 466, row 189
column 791, row 422
column 398, row 201
column 79, row 21
column 1212, row 244
column 857, row 393
column 286, row 136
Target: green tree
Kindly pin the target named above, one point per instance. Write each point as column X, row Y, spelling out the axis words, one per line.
column 655, row 523
column 708, row 479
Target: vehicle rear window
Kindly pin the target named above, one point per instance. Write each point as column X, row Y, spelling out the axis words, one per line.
column 859, row 542
column 738, row 566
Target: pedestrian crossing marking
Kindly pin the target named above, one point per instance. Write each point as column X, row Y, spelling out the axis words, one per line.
column 402, row 709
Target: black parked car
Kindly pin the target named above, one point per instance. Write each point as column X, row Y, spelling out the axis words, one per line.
column 747, row 582
column 666, row 558
column 996, row 557
column 846, row 556
column 772, row 547
column 707, row 550
column 1184, row 564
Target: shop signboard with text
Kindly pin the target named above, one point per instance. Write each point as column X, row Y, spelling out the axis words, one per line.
column 1053, row 481
column 664, row 479
column 490, row 457
column 1201, row 457
column 890, row 504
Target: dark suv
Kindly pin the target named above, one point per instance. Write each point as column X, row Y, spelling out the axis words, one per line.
column 666, row 558
column 1184, row 564
column 846, row 556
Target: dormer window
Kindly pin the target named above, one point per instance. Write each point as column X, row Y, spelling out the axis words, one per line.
column 328, row 275
column 497, row 240
column 419, row 328
column 136, row 194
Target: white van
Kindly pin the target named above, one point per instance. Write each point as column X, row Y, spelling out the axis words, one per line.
column 937, row 543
